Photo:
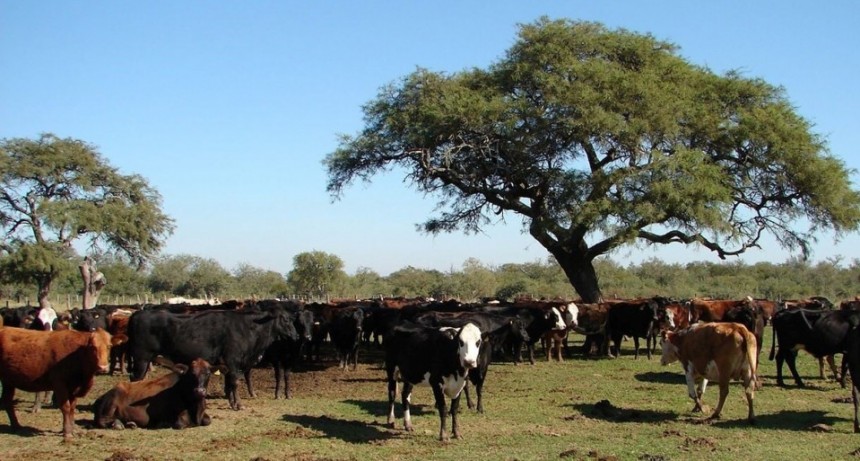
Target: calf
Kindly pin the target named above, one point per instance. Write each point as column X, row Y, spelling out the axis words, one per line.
column 60, row 361
column 177, row 399
column 715, row 351
column 440, row 357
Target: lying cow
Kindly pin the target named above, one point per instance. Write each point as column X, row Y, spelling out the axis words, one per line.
column 715, row 351
column 60, row 361
column 441, row 357
column 176, row 399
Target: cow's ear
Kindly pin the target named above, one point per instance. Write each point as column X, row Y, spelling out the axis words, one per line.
column 218, row 369
column 116, row 340
column 180, row 368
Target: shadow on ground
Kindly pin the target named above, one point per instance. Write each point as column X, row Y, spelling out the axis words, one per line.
column 343, row 429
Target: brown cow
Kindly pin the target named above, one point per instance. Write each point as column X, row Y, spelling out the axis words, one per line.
column 715, row 351
column 60, row 361
column 176, row 399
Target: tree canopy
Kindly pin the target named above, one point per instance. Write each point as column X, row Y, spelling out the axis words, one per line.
column 316, row 274
column 58, row 191
column 601, row 138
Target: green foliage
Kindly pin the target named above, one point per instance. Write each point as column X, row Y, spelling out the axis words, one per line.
column 55, row 192
column 316, row 274
column 190, row 276
column 600, row 138
column 259, row 282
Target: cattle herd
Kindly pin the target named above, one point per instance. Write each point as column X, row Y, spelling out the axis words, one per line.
column 446, row 344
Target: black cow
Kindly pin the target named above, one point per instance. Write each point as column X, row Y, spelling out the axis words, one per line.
column 637, row 319
column 439, row 356
column 495, row 331
column 537, row 321
column 236, row 339
column 283, row 354
column 820, row 333
column 176, row 399
column 345, row 332
column 93, row 319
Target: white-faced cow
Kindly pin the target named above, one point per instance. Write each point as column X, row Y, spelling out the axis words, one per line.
column 714, row 351
column 440, row 357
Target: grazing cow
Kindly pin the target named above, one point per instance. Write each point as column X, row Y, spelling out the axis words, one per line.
column 60, row 361
column 554, row 340
column 440, row 357
column 345, row 332
column 636, row 318
column 714, row 351
column 592, row 323
column 235, row 339
column 538, row 321
column 820, row 333
column 176, row 399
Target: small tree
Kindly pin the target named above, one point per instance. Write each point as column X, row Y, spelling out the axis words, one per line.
column 316, row 274
column 55, row 192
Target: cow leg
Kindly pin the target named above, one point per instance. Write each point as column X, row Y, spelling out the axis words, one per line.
column 231, row 385
column 405, row 395
column 531, row 347
column 248, row 383
column 468, row 396
column 695, row 388
column 749, row 391
column 844, row 370
column 443, row 411
column 724, row 392
column 636, row 346
column 392, row 394
column 790, row 359
column 455, row 410
column 855, row 396
column 66, row 403
column 279, row 374
column 8, row 401
column 832, row 363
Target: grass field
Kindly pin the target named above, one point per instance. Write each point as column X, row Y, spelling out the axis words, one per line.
column 579, row 409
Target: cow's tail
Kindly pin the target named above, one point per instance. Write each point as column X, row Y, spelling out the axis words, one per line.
column 751, row 349
column 772, row 342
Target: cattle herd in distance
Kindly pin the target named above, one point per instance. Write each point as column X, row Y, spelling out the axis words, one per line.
column 446, row 344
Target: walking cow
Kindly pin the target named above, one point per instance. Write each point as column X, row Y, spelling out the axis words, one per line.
column 714, row 351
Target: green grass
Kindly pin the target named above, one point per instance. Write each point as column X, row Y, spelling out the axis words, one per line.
column 579, row 409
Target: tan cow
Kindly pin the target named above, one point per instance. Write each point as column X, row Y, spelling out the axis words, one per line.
column 714, row 351
column 60, row 361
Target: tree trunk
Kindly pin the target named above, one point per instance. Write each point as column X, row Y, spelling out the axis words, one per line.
column 580, row 271
column 44, row 287
column 94, row 282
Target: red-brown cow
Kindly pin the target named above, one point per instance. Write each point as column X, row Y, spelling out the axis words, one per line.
column 714, row 351
column 60, row 361
column 177, row 399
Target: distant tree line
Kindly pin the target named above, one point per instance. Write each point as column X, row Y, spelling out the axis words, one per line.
column 317, row 275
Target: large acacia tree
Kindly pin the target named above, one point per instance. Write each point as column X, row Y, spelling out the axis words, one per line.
column 58, row 191
column 601, row 138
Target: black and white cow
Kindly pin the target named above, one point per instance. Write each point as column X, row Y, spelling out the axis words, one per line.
column 440, row 357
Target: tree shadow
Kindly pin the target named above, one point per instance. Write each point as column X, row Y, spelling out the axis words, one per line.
column 343, row 429
column 606, row 411
column 380, row 407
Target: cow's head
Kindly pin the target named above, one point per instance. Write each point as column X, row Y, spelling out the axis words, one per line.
column 670, row 342
column 555, row 316
column 469, row 341
column 518, row 329
column 98, row 347
column 571, row 317
column 92, row 320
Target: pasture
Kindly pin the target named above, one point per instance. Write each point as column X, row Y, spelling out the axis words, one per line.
column 579, row 409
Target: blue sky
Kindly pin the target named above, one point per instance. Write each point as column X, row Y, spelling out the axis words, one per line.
column 228, row 108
